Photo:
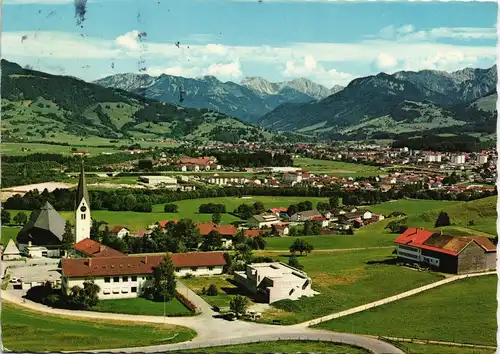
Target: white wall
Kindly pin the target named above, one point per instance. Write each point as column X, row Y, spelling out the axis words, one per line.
column 123, row 289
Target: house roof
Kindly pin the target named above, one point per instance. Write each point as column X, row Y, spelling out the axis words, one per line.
column 163, row 223
column 225, row 230
column 81, row 190
column 11, row 248
column 432, row 241
column 253, row 233
column 278, row 210
column 93, row 248
column 116, row 229
column 46, row 219
column 129, row 265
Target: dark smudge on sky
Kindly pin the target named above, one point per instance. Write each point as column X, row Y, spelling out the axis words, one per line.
column 80, row 11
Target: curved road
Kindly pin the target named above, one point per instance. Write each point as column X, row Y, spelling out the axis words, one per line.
column 215, row 332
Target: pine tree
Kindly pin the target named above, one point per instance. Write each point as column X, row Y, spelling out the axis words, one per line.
column 68, row 238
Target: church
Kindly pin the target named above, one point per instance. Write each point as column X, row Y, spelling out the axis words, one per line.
column 42, row 236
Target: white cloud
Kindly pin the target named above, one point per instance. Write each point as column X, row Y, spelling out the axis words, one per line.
column 309, row 68
column 408, row 33
column 385, row 62
column 312, row 60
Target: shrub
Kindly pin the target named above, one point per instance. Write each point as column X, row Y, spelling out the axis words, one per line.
column 170, row 208
column 212, row 290
column 185, row 301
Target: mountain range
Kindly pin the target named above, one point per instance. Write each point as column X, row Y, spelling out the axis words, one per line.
column 248, row 100
column 402, row 102
column 40, row 106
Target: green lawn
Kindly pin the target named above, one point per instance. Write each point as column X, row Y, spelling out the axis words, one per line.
column 15, row 148
column 9, row 233
column 288, row 346
column 462, row 312
column 224, row 285
column 29, row 331
column 413, row 348
column 481, row 211
column 337, row 168
column 410, row 206
column 346, row 280
column 141, row 306
column 373, row 235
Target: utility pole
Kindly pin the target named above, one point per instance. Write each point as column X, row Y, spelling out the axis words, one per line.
column 164, row 314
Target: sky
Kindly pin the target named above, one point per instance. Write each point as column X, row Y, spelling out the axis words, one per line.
column 330, row 42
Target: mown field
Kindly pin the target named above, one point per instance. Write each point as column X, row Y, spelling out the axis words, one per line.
column 29, row 331
column 343, row 279
column 141, row 306
column 462, row 312
column 288, row 346
column 336, row 168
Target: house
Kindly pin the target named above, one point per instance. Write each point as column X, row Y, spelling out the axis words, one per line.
column 278, row 211
column 11, row 252
column 159, row 181
column 280, row 229
column 262, row 220
column 275, row 281
column 450, row 254
column 42, row 235
column 321, row 220
column 253, row 233
column 94, row 249
column 227, row 232
column 123, row 277
column 305, row 215
column 119, row 231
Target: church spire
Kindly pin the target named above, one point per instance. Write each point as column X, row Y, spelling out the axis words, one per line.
column 81, row 191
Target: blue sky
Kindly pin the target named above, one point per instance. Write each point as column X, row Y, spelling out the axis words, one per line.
column 328, row 42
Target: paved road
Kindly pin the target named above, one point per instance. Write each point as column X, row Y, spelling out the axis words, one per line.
column 390, row 299
column 215, row 332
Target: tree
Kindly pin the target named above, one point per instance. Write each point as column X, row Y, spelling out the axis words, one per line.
column 95, row 228
column 259, row 207
column 212, row 241
column 322, row 206
column 293, row 261
column 212, row 290
column 292, row 209
column 301, row 246
column 442, row 220
column 145, row 164
column 239, row 305
column 164, row 280
column 5, row 217
column 216, row 218
column 21, row 218
column 84, row 298
column 170, row 208
column 334, row 202
column 67, row 238
column 315, row 228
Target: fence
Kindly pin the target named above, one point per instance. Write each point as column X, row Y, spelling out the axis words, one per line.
column 396, row 297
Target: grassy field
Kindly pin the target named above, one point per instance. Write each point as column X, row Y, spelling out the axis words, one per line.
column 481, row 211
column 9, row 233
column 288, row 346
column 336, row 168
column 372, row 235
column 414, row 348
column 42, row 332
column 141, row 306
column 15, row 149
column 224, row 285
column 410, row 206
column 435, row 314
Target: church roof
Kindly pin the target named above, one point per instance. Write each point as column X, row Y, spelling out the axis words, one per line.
column 81, row 190
column 48, row 220
column 11, row 248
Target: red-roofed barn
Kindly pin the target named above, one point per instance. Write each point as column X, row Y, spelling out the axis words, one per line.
column 450, row 254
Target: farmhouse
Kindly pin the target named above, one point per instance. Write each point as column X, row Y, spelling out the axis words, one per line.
column 123, row 277
column 275, row 281
column 119, row 231
column 94, row 249
column 450, row 254
column 305, row 215
column 262, row 220
column 227, row 232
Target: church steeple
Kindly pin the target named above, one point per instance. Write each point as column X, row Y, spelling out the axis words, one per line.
column 81, row 191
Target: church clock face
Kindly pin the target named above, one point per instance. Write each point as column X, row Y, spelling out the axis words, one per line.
column 83, row 209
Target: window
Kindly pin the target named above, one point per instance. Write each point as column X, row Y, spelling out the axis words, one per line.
column 107, row 280
column 149, row 278
column 83, row 216
column 116, row 279
column 125, row 278
column 134, row 278
column 106, row 291
column 210, row 268
column 116, row 291
column 133, row 289
column 194, row 269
